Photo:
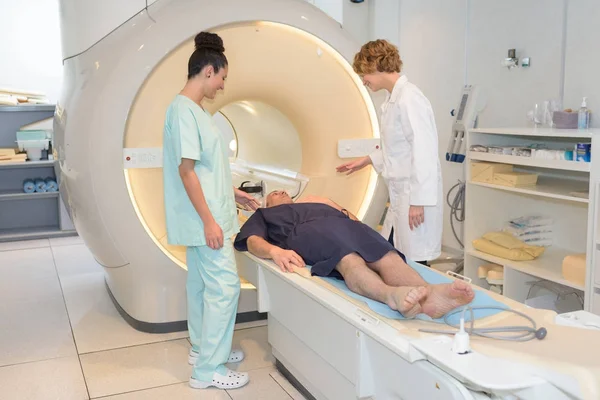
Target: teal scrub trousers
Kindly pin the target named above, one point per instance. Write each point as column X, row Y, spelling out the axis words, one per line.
column 213, row 291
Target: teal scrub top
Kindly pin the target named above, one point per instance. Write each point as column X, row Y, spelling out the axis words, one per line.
column 190, row 132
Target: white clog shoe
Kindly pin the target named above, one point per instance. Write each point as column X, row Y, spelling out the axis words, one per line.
column 231, row 380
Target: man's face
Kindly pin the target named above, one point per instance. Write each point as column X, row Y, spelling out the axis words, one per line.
column 278, row 197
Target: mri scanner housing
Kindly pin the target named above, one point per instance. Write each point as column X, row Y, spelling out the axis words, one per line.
column 289, row 98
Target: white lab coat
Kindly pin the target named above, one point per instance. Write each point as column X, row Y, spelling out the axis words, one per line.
column 409, row 163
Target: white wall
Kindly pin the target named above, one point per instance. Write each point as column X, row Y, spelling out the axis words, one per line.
column 30, row 49
column 383, row 20
column 356, row 20
column 582, row 67
column 534, row 28
column 431, row 43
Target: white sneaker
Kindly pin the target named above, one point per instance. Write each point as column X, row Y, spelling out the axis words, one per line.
column 232, row 380
column 235, row 356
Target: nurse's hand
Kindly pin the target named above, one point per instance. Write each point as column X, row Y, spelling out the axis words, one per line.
column 355, row 165
column 213, row 235
column 416, row 216
column 246, row 200
column 287, row 259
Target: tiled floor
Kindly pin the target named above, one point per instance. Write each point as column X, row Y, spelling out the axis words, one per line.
column 62, row 338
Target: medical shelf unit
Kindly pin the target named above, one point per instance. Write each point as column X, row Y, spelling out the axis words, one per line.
column 557, row 194
column 28, row 215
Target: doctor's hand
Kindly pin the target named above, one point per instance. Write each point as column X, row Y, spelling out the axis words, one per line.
column 353, row 166
column 213, row 235
column 287, row 259
column 246, row 200
column 416, row 216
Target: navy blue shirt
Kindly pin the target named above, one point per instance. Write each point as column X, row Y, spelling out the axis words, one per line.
column 318, row 233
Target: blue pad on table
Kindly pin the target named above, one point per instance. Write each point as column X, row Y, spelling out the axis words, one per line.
column 432, row 277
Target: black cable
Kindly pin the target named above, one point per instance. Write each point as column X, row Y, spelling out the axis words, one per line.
column 457, row 208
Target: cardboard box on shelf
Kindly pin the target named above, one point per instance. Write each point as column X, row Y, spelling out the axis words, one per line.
column 515, row 179
column 484, row 172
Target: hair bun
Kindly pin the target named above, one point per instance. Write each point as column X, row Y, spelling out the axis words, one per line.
column 209, row 41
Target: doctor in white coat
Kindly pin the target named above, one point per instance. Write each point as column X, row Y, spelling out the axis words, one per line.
column 408, row 159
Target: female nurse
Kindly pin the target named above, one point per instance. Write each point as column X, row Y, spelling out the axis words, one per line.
column 408, row 159
column 200, row 205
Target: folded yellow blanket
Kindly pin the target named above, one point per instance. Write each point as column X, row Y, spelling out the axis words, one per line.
column 515, row 254
column 510, row 242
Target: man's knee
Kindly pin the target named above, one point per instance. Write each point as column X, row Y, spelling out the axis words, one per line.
column 350, row 267
column 348, row 262
column 392, row 259
column 393, row 255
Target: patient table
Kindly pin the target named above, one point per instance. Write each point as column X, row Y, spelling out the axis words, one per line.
column 338, row 348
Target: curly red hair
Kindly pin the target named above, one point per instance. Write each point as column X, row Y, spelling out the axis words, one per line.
column 377, row 55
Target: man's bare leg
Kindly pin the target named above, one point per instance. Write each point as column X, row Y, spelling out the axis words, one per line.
column 440, row 299
column 395, row 272
column 362, row 280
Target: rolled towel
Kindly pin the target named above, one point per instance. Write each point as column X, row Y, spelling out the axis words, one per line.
column 51, row 185
column 28, row 186
column 40, row 186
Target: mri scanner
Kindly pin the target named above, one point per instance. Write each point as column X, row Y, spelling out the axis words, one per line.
column 290, row 110
column 289, row 98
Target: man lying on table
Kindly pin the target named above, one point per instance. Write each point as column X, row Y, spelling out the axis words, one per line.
column 318, row 232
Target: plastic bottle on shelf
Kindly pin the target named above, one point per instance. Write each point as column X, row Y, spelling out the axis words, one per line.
column 582, row 117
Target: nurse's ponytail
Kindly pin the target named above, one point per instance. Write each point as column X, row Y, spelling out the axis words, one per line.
column 377, row 55
column 209, row 51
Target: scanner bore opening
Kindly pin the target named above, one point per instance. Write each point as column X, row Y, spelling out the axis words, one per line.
column 294, row 75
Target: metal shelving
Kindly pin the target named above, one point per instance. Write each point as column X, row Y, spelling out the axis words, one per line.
column 26, row 164
column 7, row 195
column 26, row 216
column 28, row 108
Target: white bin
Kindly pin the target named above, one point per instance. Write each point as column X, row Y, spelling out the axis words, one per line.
column 34, row 148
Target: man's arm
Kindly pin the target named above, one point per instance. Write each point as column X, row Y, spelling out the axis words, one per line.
column 329, row 202
column 285, row 259
column 260, row 247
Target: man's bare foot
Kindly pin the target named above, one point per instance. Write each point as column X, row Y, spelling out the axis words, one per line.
column 406, row 300
column 446, row 297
